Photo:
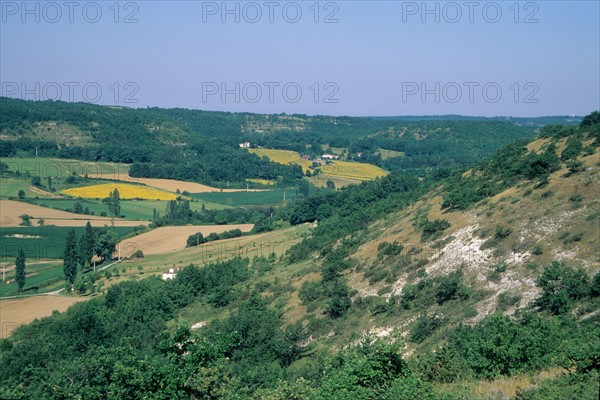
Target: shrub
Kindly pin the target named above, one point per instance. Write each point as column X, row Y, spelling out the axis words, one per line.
column 451, row 287
column 561, row 285
column 25, row 220
column 195, row 239
column 502, row 232
column 424, row 327
column 138, row 254
column 575, row 166
column 506, row 300
column 576, row 198
column 432, row 229
column 595, row 289
column 385, row 249
column 310, row 292
column 575, row 237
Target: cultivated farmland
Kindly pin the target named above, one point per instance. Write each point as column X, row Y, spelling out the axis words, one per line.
column 54, row 167
column 344, row 169
column 353, row 170
column 261, row 244
column 247, row 198
column 170, row 185
column 138, row 210
column 126, row 191
column 41, row 242
column 283, row 157
column 171, row 238
column 10, row 212
column 14, row 312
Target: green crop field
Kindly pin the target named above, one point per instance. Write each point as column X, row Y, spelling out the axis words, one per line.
column 10, row 186
column 47, row 275
column 135, row 210
column 246, row 198
column 54, row 167
column 40, row 242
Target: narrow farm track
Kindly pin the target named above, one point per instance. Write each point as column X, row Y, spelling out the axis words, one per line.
column 42, row 192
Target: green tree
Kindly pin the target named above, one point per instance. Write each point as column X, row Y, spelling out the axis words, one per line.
column 77, row 208
column 303, row 188
column 106, row 244
column 340, row 300
column 70, row 257
column 26, row 220
column 114, row 202
column 195, row 240
column 36, row 181
column 87, row 243
column 20, row 270
column 21, row 194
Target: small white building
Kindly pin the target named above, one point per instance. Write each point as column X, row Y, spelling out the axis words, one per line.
column 171, row 273
column 329, row 157
column 245, row 145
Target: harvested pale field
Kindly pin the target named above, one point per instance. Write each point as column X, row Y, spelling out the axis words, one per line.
column 10, row 212
column 14, row 312
column 169, row 184
column 172, row 238
column 93, row 223
column 262, row 244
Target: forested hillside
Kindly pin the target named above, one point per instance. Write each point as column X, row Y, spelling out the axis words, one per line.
column 479, row 282
column 204, row 146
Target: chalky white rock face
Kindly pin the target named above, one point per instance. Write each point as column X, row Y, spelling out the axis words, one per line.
column 465, row 250
column 199, row 325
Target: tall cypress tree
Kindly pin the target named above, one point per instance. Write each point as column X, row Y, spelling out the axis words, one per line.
column 114, row 205
column 87, row 244
column 70, row 257
column 20, row 270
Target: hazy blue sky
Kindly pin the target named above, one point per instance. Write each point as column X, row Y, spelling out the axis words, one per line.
column 338, row 58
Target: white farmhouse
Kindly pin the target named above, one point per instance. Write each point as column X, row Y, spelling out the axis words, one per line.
column 171, row 273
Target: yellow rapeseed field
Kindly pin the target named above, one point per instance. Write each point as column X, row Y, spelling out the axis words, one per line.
column 283, row 157
column 126, row 191
column 353, row 170
column 344, row 169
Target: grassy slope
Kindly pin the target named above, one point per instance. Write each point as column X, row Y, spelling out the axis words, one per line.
column 10, row 186
column 535, row 218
